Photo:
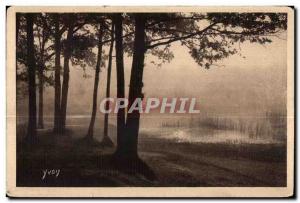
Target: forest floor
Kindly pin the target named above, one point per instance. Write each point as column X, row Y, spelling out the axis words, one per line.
column 71, row 162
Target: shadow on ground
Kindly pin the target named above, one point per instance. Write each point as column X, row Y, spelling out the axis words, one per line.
column 81, row 163
column 163, row 163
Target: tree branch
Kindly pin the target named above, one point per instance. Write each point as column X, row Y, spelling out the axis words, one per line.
column 181, row 38
column 173, row 19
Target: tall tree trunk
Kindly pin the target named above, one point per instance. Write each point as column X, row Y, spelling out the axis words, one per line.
column 66, row 76
column 120, row 82
column 57, row 85
column 106, row 140
column 41, row 83
column 41, row 97
column 129, row 147
column 31, row 132
column 96, row 84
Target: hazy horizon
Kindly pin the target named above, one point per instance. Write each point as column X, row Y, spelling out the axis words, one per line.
column 240, row 85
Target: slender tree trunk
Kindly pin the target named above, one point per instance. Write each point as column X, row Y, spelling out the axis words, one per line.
column 31, row 132
column 57, row 85
column 120, row 82
column 106, row 140
column 41, row 97
column 129, row 146
column 66, row 77
column 96, row 84
column 41, row 84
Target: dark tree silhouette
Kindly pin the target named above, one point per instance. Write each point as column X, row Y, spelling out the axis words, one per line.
column 96, row 81
column 66, row 72
column 31, row 131
column 209, row 38
column 106, row 141
column 43, row 33
column 43, row 55
column 129, row 149
column 76, row 48
column 120, row 82
column 57, row 82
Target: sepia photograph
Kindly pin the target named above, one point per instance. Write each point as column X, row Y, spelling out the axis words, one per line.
column 150, row 101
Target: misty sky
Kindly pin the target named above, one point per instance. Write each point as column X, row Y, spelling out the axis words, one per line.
column 249, row 85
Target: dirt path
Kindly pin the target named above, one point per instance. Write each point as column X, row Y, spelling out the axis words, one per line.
column 207, row 165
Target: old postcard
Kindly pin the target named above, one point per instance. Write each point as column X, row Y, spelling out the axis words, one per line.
column 150, row 101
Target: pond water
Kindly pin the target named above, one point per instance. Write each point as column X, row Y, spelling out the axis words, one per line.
column 205, row 135
column 79, row 125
